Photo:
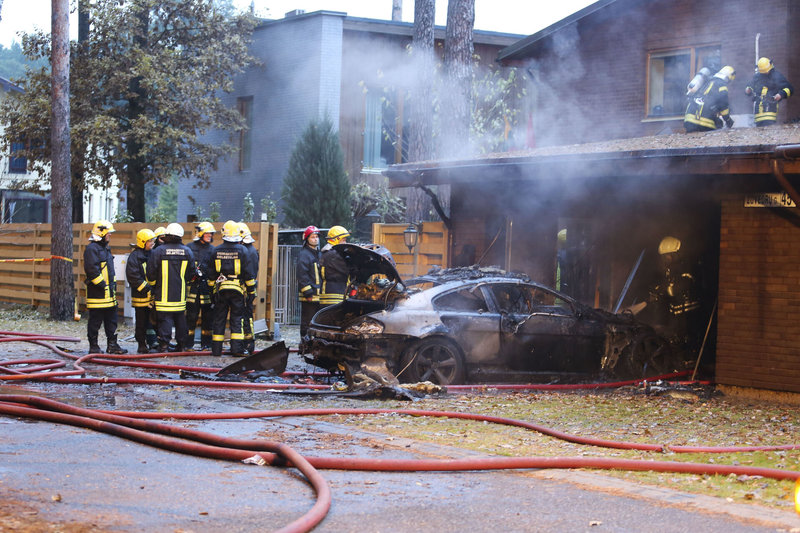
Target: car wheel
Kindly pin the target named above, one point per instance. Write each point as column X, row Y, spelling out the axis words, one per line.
column 650, row 355
column 436, row 360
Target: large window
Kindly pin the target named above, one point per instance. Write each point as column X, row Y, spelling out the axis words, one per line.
column 385, row 129
column 245, row 106
column 668, row 74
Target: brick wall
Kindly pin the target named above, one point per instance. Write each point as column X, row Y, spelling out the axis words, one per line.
column 759, row 298
column 593, row 73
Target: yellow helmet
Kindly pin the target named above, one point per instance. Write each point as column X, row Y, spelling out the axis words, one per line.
column 160, row 231
column 336, row 234
column 202, row 228
column 100, row 229
column 244, row 231
column 669, row 245
column 764, row 65
column 144, row 235
column 726, row 73
column 230, row 232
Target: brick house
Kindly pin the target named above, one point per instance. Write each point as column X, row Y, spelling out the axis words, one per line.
column 315, row 64
column 586, row 217
column 619, row 68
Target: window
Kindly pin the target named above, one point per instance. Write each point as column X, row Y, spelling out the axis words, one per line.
column 385, row 129
column 245, row 107
column 16, row 210
column 468, row 299
column 668, row 74
column 17, row 165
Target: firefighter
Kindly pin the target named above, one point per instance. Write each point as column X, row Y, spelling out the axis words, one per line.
column 333, row 268
column 677, row 294
column 247, row 319
column 231, row 280
column 170, row 267
column 767, row 88
column 159, row 231
column 708, row 107
column 198, row 300
column 309, row 280
column 136, row 274
column 101, row 283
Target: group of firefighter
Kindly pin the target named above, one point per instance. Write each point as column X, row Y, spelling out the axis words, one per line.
column 173, row 285
column 708, row 97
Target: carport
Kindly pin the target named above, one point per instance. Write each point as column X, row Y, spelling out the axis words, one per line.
column 582, row 218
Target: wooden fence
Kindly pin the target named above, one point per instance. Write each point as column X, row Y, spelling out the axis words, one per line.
column 25, row 267
column 432, row 247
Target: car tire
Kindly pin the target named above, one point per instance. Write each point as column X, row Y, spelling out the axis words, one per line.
column 650, row 355
column 436, row 360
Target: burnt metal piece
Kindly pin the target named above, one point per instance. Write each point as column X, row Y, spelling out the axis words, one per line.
column 273, row 358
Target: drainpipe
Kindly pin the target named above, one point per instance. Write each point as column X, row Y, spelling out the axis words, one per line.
column 790, row 152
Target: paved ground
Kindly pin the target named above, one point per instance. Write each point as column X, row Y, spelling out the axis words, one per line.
column 58, row 478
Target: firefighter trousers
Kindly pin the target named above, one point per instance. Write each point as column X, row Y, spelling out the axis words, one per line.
column 206, row 315
column 228, row 302
column 144, row 321
column 166, row 320
column 102, row 316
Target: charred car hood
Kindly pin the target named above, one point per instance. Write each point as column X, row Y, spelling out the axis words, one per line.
column 363, row 263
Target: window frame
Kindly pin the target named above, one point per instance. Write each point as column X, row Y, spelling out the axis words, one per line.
column 695, row 53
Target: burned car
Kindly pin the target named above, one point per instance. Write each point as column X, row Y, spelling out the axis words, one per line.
column 478, row 325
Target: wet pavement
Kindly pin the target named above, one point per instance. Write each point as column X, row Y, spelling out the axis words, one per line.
column 71, row 479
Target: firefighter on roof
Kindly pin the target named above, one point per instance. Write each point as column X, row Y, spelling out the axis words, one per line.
column 101, row 283
column 198, row 301
column 231, row 280
column 170, row 268
column 767, row 88
column 708, row 105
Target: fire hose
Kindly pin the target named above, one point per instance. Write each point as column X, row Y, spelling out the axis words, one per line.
column 130, row 425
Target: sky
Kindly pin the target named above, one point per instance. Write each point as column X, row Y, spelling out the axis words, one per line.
column 524, row 17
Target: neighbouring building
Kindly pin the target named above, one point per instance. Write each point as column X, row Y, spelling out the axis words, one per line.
column 354, row 70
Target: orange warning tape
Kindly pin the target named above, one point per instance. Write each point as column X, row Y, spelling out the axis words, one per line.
column 37, row 259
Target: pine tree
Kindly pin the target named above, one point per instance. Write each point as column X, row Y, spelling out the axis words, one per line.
column 316, row 189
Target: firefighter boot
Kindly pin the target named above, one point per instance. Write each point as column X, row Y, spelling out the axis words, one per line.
column 94, row 347
column 188, row 343
column 142, row 348
column 205, row 343
column 115, row 348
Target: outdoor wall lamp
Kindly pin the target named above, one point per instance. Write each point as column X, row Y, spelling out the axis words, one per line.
column 410, row 236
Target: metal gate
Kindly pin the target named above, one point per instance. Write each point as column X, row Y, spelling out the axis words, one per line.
column 287, row 305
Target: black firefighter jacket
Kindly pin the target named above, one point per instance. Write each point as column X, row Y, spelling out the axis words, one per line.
column 199, row 291
column 334, row 276
column 765, row 87
column 98, row 264
column 136, row 273
column 308, row 276
column 170, row 267
column 707, row 104
column 229, row 263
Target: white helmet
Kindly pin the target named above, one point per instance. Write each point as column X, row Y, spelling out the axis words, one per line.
column 174, row 229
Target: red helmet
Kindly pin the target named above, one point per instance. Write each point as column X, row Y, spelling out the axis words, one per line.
column 308, row 231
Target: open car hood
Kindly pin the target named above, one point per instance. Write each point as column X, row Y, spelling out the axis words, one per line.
column 363, row 262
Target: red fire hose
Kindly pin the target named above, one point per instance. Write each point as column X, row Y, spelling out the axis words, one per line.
column 131, row 425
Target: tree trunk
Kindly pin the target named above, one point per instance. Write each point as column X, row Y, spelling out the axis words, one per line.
column 62, row 285
column 136, row 164
column 458, row 52
column 421, row 102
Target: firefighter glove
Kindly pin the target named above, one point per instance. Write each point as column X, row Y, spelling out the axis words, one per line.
column 728, row 121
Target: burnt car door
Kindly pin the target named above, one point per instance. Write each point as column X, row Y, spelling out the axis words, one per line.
column 544, row 331
column 470, row 322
